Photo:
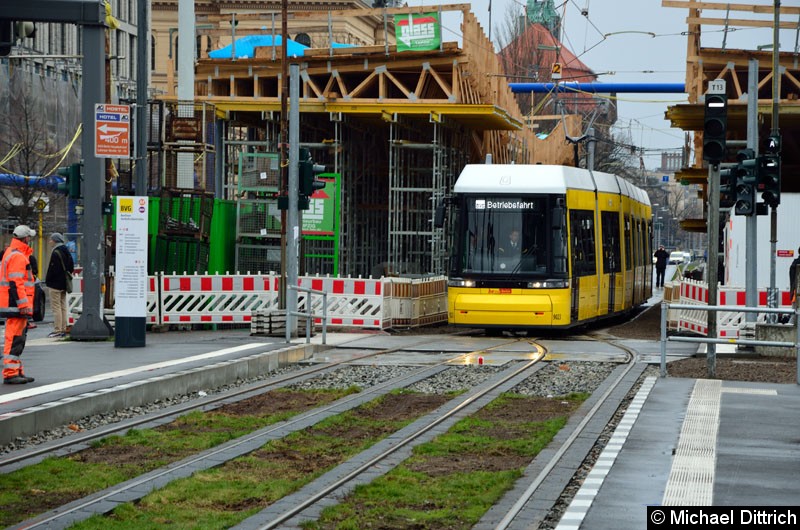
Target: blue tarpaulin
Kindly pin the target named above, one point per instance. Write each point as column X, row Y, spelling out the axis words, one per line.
column 246, row 47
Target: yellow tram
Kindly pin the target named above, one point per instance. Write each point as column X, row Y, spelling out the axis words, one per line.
column 582, row 252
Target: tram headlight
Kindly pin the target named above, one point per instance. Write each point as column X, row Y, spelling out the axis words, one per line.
column 458, row 282
column 549, row 284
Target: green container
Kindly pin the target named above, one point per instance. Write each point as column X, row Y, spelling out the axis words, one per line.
column 222, row 241
column 212, row 249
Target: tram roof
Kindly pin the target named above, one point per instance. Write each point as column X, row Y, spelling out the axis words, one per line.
column 522, row 178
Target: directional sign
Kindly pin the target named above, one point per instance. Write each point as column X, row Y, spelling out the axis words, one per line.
column 112, row 125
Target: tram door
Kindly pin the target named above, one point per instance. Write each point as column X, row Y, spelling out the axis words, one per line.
column 584, row 265
column 611, row 261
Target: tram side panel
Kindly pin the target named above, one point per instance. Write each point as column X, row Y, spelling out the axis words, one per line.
column 583, row 253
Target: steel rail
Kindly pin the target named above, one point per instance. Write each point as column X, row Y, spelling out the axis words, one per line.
column 556, row 458
column 311, row 500
column 180, row 409
column 190, row 462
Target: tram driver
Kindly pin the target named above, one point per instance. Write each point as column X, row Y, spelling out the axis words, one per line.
column 511, row 250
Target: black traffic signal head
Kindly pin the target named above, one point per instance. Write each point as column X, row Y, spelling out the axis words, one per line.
column 715, row 126
column 309, row 183
column 727, row 188
column 6, row 36
column 769, row 179
column 746, row 178
column 72, row 180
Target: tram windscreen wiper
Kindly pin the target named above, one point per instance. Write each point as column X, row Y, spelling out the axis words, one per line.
column 528, row 255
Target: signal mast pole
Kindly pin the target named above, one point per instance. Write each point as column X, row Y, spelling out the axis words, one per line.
column 772, row 296
column 714, row 133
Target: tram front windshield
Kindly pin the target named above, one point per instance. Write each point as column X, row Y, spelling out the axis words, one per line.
column 502, row 236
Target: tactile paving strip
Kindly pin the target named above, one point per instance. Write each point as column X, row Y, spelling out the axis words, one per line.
column 691, row 479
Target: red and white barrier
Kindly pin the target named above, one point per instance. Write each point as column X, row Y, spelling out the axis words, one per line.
column 352, row 302
column 75, row 301
column 215, row 299
column 728, row 322
column 232, row 299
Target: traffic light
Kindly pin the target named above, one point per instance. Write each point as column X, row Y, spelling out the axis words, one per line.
column 72, row 180
column 715, row 125
column 769, row 172
column 727, row 188
column 746, row 178
column 308, row 178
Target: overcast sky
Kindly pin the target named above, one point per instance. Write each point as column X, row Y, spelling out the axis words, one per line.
column 628, row 56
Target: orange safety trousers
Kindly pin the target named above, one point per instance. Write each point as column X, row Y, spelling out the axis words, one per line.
column 16, row 334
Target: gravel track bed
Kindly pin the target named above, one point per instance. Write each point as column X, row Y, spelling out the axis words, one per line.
column 552, row 380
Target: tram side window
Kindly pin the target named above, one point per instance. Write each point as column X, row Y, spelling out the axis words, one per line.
column 581, row 224
column 628, row 244
column 611, row 247
column 640, row 243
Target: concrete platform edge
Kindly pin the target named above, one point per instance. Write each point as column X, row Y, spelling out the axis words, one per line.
column 35, row 419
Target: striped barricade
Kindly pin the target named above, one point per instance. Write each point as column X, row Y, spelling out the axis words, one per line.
column 75, row 301
column 216, row 299
column 352, row 302
column 694, row 321
column 729, row 323
column 233, row 299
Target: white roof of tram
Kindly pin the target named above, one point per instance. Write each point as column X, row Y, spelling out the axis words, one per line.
column 520, row 178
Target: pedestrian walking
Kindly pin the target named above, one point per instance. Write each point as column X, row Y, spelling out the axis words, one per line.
column 61, row 267
column 662, row 256
column 16, row 303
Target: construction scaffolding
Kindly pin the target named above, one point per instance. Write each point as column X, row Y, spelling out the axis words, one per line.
column 420, row 175
column 397, row 127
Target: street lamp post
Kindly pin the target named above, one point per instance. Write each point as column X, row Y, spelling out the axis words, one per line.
column 658, row 231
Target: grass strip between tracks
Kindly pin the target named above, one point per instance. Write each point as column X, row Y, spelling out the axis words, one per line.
column 56, row 481
column 451, row 481
column 223, row 496
column 448, row 483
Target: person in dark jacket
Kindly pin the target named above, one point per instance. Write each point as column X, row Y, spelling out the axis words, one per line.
column 56, row 281
column 793, row 275
column 35, row 272
column 662, row 256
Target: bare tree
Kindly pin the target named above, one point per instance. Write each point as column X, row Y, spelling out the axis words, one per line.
column 29, row 150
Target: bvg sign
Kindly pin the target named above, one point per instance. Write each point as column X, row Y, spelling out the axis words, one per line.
column 125, row 205
column 112, row 124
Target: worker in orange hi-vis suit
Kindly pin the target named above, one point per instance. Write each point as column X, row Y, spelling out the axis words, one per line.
column 16, row 303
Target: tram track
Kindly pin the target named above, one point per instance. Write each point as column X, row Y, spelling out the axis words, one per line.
column 204, row 402
column 97, row 502
column 440, row 419
column 100, row 502
column 523, row 509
